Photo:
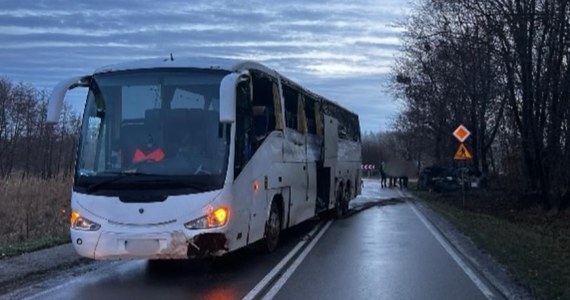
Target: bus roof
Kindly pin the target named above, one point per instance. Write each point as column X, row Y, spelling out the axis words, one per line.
column 198, row 62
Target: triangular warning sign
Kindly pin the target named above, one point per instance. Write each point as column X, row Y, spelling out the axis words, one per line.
column 462, row 153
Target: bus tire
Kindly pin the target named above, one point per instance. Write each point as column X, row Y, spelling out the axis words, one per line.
column 346, row 199
column 272, row 229
column 339, row 203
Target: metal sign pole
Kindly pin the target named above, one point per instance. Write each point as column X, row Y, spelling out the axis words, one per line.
column 462, row 133
column 463, row 186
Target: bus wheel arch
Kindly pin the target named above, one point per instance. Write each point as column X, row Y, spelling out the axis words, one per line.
column 278, row 198
column 273, row 225
column 347, row 197
column 339, row 200
column 351, row 191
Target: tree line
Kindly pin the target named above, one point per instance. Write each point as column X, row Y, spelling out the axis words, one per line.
column 501, row 68
column 28, row 145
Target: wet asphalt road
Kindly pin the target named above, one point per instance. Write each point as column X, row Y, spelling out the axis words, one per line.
column 382, row 252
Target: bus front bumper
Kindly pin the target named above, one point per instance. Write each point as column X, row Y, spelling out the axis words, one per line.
column 164, row 245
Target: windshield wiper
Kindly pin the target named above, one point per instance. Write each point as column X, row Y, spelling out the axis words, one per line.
column 196, row 186
column 118, row 177
column 159, row 178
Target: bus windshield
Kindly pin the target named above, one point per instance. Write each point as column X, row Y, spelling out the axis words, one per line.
column 160, row 123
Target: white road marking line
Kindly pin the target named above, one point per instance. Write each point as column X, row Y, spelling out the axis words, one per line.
column 254, row 293
column 281, row 282
column 452, row 252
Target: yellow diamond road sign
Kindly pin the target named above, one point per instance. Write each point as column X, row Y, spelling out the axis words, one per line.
column 462, row 153
column 461, row 133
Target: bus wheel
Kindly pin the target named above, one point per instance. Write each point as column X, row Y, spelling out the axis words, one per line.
column 346, row 200
column 272, row 229
column 339, row 204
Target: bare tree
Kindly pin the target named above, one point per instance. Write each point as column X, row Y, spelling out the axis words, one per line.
column 29, row 146
column 500, row 67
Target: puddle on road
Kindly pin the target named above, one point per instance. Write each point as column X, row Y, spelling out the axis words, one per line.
column 360, row 207
column 373, row 195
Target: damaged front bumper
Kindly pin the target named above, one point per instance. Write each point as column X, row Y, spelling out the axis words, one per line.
column 208, row 244
column 164, row 245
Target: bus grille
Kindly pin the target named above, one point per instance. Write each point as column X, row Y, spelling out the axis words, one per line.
column 141, row 225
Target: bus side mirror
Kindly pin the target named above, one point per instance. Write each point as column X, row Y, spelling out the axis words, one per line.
column 228, row 96
column 55, row 103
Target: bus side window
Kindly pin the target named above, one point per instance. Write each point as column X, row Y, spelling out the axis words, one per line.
column 291, row 107
column 260, row 122
column 301, row 118
column 348, row 125
column 311, row 115
column 266, row 107
column 244, row 128
column 318, row 120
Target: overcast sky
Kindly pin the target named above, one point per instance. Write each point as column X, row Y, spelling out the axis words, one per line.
column 342, row 50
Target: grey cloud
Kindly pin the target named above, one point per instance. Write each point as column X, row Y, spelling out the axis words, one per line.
column 341, row 49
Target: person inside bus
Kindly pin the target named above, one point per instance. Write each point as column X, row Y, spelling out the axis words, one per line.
column 149, row 152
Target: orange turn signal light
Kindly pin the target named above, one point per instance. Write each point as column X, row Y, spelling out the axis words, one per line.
column 74, row 216
column 218, row 217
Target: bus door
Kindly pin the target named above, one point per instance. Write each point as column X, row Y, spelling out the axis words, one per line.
column 329, row 161
column 246, row 186
column 303, row 128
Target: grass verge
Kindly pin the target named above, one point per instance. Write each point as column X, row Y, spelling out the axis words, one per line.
column 538, row 259
column 34, row 213
column 33, row 245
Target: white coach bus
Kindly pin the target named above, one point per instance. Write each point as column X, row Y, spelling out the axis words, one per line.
column 191, row 158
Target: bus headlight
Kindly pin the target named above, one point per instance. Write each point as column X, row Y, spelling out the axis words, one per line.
column 215, row 218
column 80, row 223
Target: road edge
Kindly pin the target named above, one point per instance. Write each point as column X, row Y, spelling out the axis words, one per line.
column 25, row 269
column 493, row 272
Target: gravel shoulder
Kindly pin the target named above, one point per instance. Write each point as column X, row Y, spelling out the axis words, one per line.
column 34, row 266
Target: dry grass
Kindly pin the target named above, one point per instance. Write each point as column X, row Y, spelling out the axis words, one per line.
column 33, row 209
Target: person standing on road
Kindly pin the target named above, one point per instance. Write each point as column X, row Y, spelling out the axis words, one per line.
column 382, row 176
